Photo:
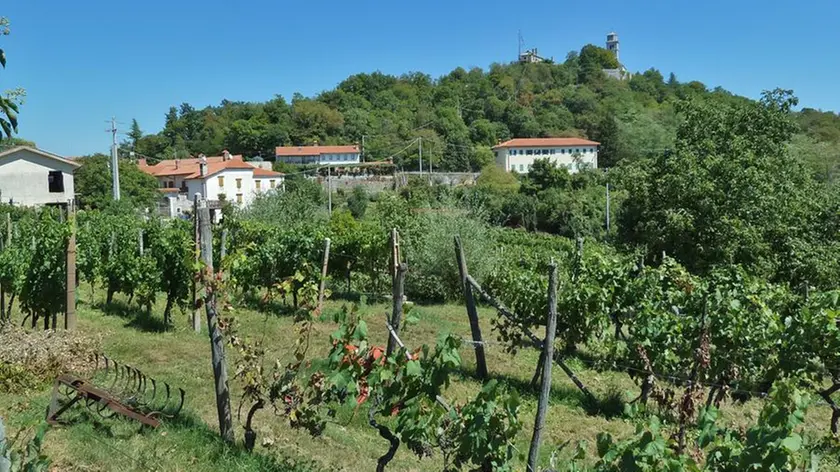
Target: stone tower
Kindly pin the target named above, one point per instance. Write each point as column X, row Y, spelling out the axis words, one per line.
column 612, row 44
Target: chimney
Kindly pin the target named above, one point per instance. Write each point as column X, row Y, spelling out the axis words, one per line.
column 202, row 165
column 225, row 155
column 177, row 162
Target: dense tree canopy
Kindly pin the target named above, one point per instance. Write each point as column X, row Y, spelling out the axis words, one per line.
column 459, row 116
column 731, row 193
column 93, row 184
column 8, row 102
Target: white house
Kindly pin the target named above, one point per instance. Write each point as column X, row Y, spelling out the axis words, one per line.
column 518, row 155
column 322, row 155
column 32, row 177
column 225, row 177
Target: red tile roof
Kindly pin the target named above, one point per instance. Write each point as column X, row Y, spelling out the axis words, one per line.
column 217, row 167
column 183, row 167
column 314, row 150
column 545, row 142
column 259, row 172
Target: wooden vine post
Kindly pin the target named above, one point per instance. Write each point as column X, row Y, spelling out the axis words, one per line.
column 548, row 353
column 324, row 274
column 398, row 270
column 217, row 345
column 5, row 241
column 472, row 312
column 196, row 313
column 223, row 245
column 70, row 267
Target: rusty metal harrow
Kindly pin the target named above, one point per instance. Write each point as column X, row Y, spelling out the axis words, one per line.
column 122, row 389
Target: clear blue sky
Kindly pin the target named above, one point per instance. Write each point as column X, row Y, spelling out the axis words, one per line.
column 83, row 61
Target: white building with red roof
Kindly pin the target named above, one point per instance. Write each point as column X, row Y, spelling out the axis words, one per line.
column 321, row 155
column 519, row 154
column 226, row 177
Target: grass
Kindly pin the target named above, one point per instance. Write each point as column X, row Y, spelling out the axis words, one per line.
column 190, row 442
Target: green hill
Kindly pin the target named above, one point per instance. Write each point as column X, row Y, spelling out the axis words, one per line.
column 460, row 115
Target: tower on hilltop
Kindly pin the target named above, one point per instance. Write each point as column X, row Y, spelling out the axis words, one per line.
column 612, row 44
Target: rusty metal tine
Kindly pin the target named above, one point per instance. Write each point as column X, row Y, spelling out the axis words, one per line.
column 181, row 403
column 116, row 376
column 151, row 401
column 168, row 395
column 141, row 387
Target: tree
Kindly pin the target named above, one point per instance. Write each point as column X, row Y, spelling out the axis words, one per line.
column 93, row 184
column 607, row 134
column 730, row 193
column 357, row 202
column 8, row 103
column 135, row 134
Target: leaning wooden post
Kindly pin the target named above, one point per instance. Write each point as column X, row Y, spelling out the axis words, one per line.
column 398, row 270
column 196, row 316
column 70, row 300
column 548, row 353
column 324, row 274
column 217, row 345
column 223, row 245
column 472, row 312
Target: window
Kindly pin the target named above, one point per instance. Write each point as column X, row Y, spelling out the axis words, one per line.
column 238, row 184
column 258, row 183
column 521, row 167
column 238, row 198
column 562, row 151
column 271, row 183
column 551, row 152
column 221, row 181
column 56, row 181
column 529, row 152
column 545, row 152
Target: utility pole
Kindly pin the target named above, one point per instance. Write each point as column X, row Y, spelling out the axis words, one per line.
column 115, row 168
column 362, row 153
column 420, row 150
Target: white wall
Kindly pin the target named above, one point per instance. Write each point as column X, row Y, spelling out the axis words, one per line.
column 517, row 159
column 348, row 158
column 24, row 178
column 230, row 189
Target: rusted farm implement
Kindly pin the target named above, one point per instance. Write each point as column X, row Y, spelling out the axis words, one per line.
column 129, row 392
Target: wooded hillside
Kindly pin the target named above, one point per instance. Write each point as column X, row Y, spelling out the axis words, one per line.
column 460, row 115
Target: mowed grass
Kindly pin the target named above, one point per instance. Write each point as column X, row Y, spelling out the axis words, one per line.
column 190, row 442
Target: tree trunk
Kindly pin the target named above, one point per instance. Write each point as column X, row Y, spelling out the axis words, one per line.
column 167, row 311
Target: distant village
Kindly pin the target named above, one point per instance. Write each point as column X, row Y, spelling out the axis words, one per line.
column 34, row 177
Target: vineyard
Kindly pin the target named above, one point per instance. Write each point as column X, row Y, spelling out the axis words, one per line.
column 335, row 337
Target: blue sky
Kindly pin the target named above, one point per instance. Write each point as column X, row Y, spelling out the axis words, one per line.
column 82, row 62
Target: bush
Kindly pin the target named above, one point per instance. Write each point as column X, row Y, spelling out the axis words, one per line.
column 433, row 271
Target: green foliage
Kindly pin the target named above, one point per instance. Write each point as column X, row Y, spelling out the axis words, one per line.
column 357, row 202
column 28, row 459
column 729, row 194
column 43, row 288
column 8, row 103
column 94, row 189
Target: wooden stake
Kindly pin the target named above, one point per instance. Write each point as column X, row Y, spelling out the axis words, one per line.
column 70, row 300
column 217, row 345
column 324, row 274
column 223, row 245
column 397, row 289
column 196, row 315
column 472, row 312
column 548, row 353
